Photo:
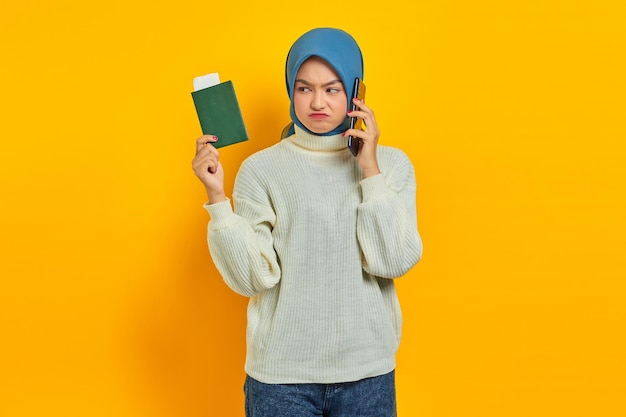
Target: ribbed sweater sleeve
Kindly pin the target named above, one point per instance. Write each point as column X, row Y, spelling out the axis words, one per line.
column 241, row 244
column 387, row 225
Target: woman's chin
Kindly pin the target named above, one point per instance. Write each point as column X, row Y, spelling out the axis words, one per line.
column 319, row 128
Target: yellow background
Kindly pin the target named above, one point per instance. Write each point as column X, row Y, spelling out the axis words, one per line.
column 513, row 113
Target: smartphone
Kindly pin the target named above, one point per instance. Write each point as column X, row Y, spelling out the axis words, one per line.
column 354, row 143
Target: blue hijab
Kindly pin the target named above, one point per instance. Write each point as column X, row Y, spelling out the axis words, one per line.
column 337, row 48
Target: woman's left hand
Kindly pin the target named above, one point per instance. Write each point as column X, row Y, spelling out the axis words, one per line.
column 369, row 139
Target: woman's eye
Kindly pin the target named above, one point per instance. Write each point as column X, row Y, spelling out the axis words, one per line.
column 304, row 89
column 333, row 90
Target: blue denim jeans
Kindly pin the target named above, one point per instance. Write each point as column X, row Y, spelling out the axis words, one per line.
column 370, row 397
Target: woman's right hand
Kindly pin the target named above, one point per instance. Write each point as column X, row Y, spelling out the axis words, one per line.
column 207, row 167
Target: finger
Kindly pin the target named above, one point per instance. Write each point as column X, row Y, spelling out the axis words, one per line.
column 206, row 160
column 369, row 135
column 204, row 165
column 201, row 162
column 208, row 152
column 369, row 121
column 364, row 112
column 208, row 155
column 361, row 114
column 361, row 104
column 204, row 141
column 355, row 133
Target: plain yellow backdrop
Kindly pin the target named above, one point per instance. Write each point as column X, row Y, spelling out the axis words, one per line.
column 513, row 113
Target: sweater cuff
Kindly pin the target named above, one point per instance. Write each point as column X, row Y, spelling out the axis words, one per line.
column 373, row 187
column 221, row 214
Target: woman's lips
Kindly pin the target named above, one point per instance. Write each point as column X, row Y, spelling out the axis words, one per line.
column 318, row 115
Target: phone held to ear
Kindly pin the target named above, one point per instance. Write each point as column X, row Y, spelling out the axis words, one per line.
column 354, row 143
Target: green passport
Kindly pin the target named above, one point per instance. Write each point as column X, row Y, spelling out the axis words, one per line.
column 219, row 114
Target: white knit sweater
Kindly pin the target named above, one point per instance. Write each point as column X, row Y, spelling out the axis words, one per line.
column 315, row 246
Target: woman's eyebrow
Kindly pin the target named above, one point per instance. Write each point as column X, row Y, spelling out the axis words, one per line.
column 305, row 82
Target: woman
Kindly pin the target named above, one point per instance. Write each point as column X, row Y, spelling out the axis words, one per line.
column 315, row 239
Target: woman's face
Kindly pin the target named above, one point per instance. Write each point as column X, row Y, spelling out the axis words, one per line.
column 319, row 97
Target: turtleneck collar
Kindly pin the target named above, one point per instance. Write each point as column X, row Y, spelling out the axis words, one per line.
column 311, row 142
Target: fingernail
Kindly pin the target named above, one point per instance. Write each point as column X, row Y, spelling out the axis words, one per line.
column 216, row 138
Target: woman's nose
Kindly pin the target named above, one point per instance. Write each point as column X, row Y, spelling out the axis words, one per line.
column 318, row 101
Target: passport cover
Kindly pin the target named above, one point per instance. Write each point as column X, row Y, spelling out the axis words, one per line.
column 219, row 114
